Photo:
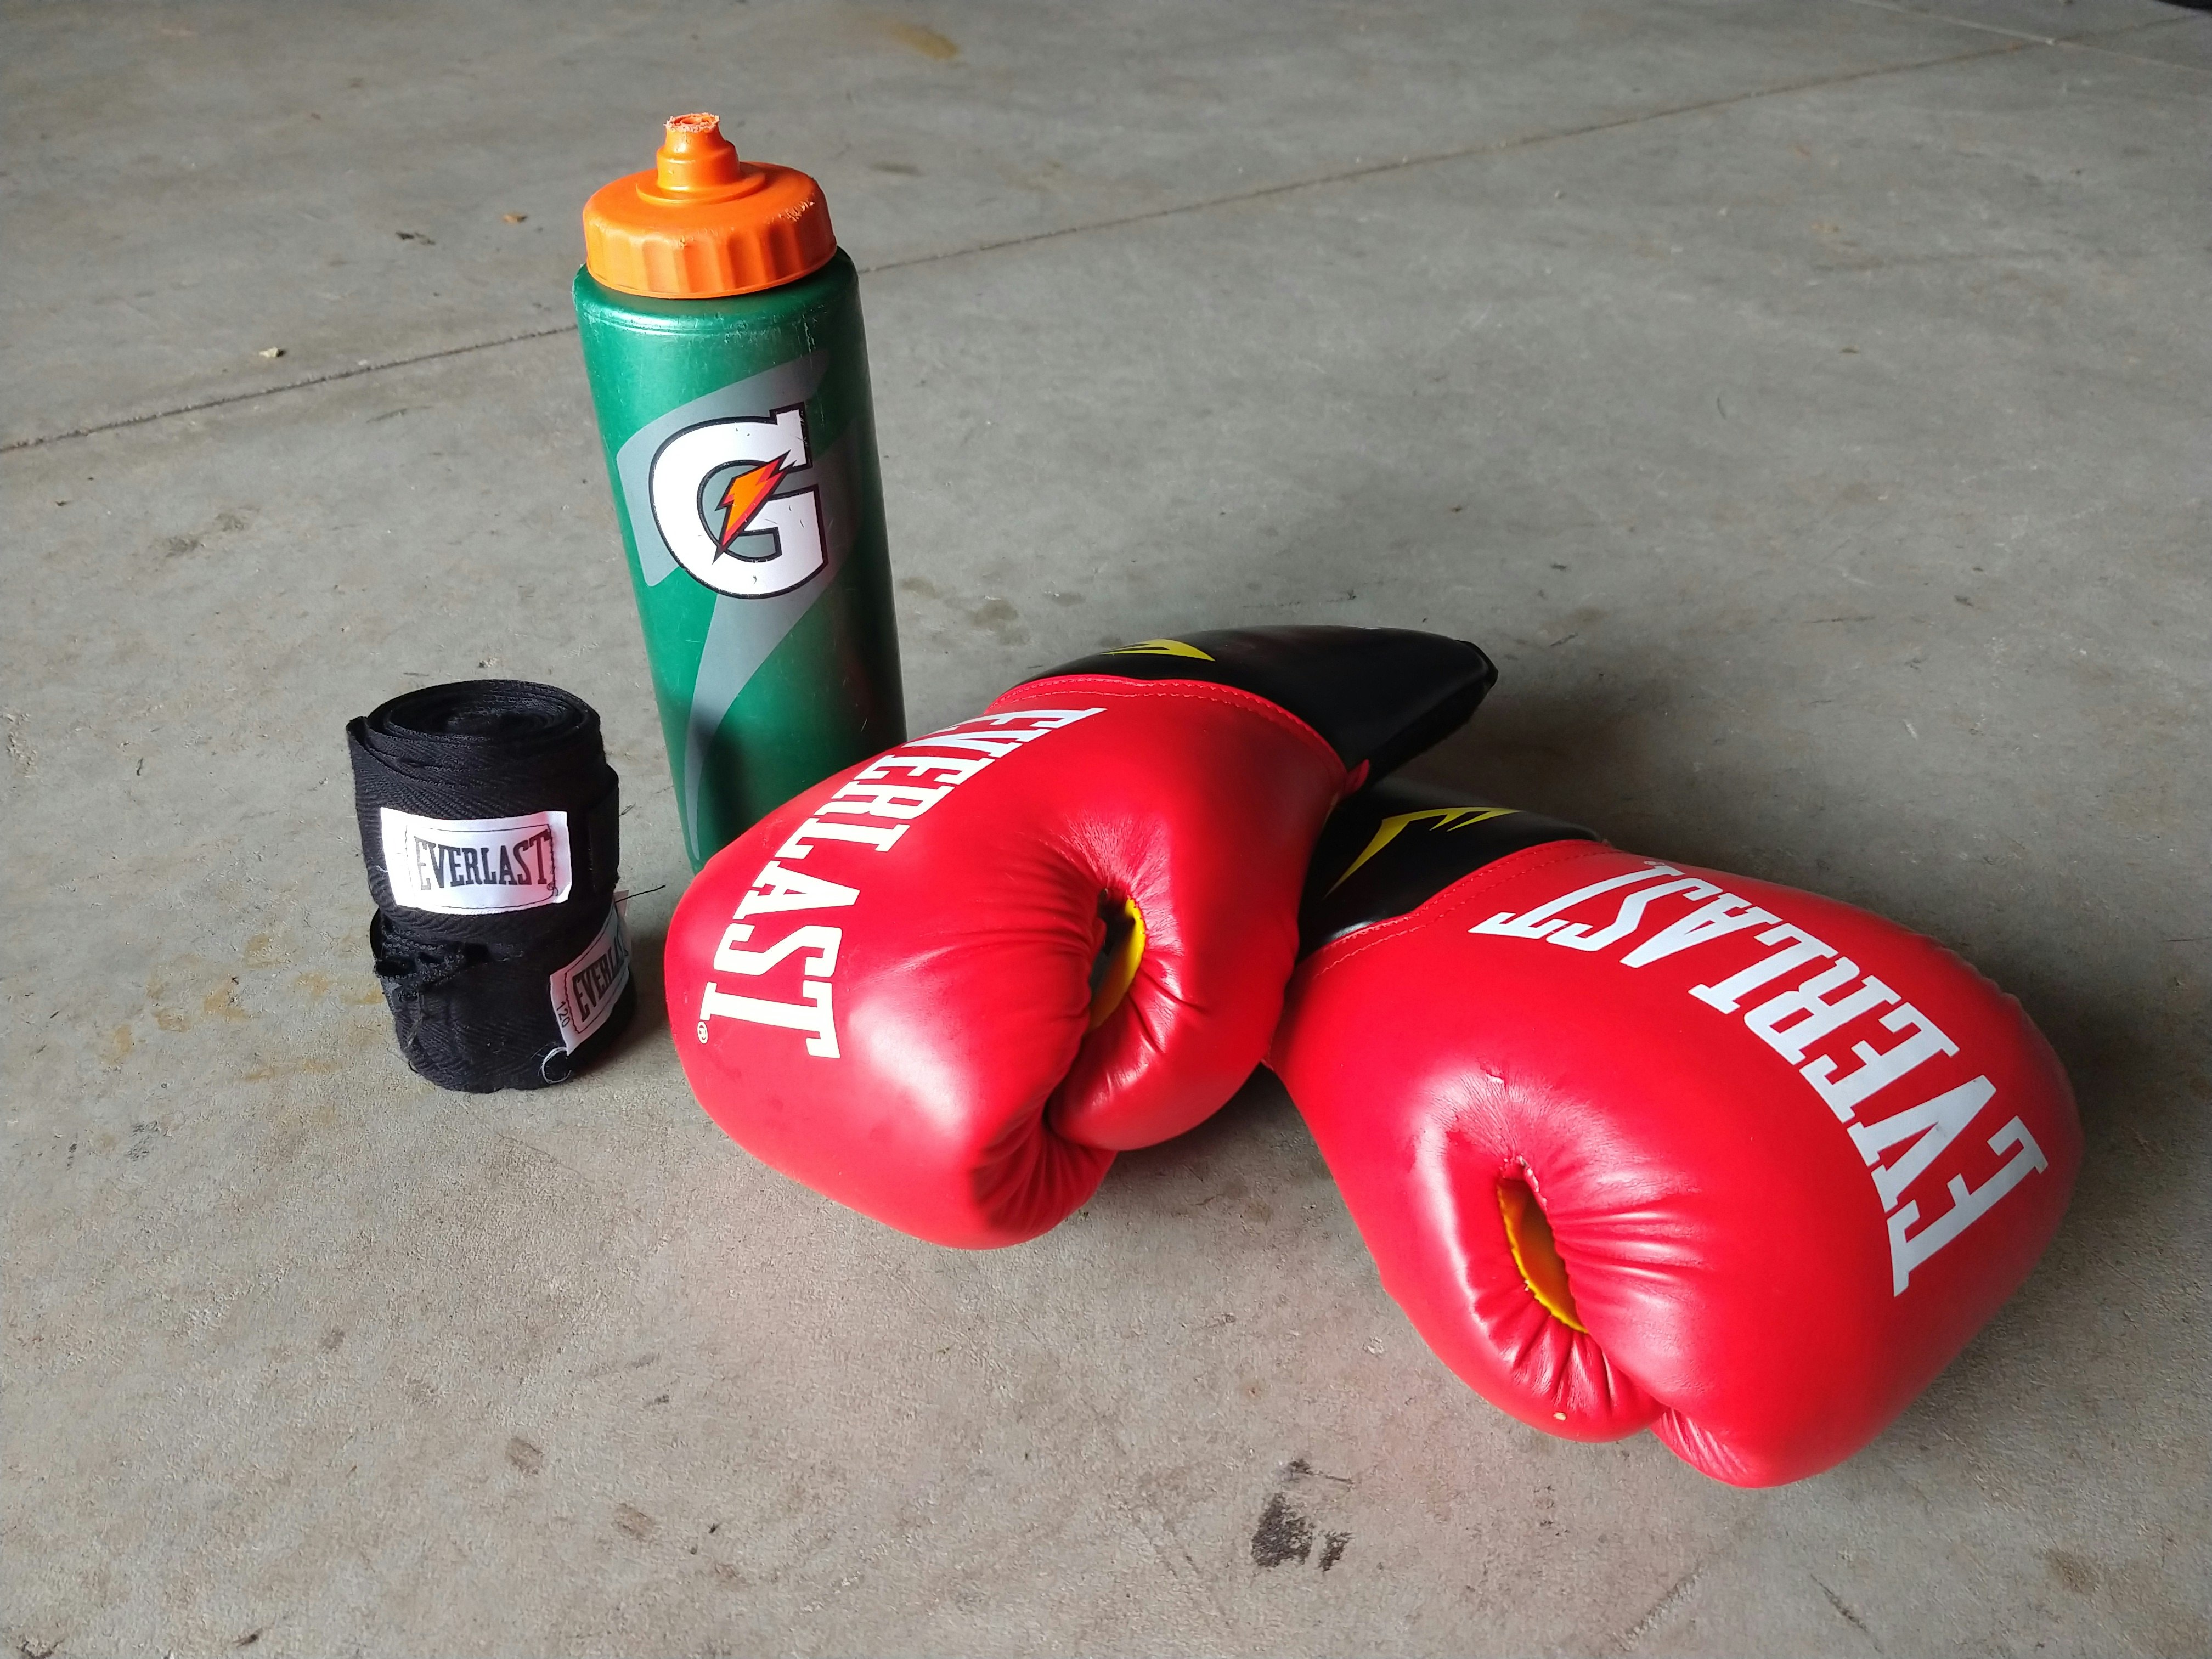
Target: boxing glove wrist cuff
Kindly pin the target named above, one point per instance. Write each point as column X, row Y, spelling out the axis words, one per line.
column 1379, row 695
column 1392, row 848
column 1077, row 688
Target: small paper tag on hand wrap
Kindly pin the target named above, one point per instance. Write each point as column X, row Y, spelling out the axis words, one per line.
column 475, row 866
column 586, row 991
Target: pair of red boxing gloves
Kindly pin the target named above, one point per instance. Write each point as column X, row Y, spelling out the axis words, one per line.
column 1634, row 1144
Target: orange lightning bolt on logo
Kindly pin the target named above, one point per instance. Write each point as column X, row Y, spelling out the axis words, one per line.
column 744, row 495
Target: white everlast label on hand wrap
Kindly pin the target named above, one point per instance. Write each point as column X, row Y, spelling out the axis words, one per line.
column 475, row 866
column 586, row 991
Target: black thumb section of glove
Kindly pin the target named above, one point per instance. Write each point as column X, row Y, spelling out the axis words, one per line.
column 1376, row 694
column 1393, row 847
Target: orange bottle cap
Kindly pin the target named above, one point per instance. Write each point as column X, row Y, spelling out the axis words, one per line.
column 703, row 224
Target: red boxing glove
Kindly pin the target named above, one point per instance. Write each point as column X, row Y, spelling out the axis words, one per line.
column 1639, row 1143
column 944, row 987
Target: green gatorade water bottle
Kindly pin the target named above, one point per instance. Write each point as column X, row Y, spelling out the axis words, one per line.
column 721, row 335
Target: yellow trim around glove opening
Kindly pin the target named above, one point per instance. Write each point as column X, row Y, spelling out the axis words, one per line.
column 1529, row 1234
column 1124, row 948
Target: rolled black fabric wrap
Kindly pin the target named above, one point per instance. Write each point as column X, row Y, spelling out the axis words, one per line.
column 489, row 823
column 452, row 759
column 480, row 1017
column 1378, row 694
column 1392, row 847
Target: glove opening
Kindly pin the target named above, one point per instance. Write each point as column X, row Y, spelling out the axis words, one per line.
column 1113, row 969
column 1529, row 1232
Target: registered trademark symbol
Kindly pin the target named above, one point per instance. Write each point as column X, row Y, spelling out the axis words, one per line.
column 702, row 1030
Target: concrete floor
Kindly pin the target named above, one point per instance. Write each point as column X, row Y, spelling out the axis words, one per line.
column 1805, row 402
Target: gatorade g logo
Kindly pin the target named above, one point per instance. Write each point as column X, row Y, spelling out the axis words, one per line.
column 754, row 491
column 715, row 503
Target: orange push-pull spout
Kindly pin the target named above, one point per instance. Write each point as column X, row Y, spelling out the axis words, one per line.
column 696, row 163
column 703, row 223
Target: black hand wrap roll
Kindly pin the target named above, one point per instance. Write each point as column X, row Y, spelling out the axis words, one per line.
column 489, row 825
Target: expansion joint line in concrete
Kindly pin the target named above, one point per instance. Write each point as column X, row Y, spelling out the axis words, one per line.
column 1403, row 163
column 2088, row 42
column 2013, row 43
column 1466, row 152
column 337, row 374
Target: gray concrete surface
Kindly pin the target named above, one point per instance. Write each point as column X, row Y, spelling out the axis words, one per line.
column 1805, row 402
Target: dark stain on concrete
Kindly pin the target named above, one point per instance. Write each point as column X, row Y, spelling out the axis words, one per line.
column 1000, row 617
column 1283, row 1535
column 2078, row 1574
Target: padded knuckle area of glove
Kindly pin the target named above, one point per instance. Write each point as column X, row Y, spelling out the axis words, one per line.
column 1535, row 1252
